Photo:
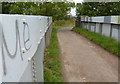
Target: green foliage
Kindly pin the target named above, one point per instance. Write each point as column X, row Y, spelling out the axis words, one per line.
column 107, row 43
column 52, row 64
column 64, row 23
column 0, row 8
column 58, row 10
column 98, row 9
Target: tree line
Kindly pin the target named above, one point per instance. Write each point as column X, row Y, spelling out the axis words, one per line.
column 58, row 10
column 98, row 8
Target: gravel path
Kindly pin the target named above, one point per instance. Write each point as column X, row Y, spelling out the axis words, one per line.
column 84, row 61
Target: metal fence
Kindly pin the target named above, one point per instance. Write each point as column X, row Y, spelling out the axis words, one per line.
column 104, row 25
column 23, row 39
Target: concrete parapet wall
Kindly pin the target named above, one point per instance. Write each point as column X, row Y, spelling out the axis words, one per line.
column 104, row 25
column 23, row 39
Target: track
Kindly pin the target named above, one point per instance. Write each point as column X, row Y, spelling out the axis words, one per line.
column 84, row 61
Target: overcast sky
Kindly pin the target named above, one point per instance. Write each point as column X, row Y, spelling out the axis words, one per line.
column 73, row 10
column 77, row 1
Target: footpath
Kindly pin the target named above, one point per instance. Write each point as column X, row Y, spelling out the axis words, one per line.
column 84, row 61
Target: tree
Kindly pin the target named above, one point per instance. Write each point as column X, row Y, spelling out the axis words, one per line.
column 98, row 9
column 58, row 10
column 0, row 8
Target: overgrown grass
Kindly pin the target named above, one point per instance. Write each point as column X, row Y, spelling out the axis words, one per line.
column 107, row 43
column 64, row 23
column 52, row 63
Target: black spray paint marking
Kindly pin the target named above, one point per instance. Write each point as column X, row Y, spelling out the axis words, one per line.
column 26, row 41
column 17, row 42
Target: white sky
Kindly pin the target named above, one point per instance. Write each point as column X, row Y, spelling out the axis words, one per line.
column 77, row 1
column 73, row 10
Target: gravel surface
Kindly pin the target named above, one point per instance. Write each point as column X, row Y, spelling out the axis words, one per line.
column 84, row 61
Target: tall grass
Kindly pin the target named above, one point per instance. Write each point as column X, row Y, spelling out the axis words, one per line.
column 107, row 43
column 64, row 23
column 52, row 64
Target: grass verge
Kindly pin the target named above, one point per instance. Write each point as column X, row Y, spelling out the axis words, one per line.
column 52, row 65
column 106, row 42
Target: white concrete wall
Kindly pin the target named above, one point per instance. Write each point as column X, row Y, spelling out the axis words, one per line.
column 97, row 28
column 102, row 25
column 102, row 19
column 115, row 31
column 87, row 25
column 106, row 29
column 98, row 19
column 24, row 36
column 1, row 61
column 92, row 27
column 115, row 19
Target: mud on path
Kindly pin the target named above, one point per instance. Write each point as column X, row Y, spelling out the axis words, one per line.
column 84, row 61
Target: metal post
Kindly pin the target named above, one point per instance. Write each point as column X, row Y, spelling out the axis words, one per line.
column 111, row 30
column 78, row 22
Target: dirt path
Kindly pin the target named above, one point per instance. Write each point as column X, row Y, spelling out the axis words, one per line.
column 83, row 61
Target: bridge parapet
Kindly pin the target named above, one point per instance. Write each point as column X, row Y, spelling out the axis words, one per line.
column 22, row 43
column 104, row 25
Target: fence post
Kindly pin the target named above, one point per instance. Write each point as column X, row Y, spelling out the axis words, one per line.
column 119, row 34
column 78, row 22
column 111, row 30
